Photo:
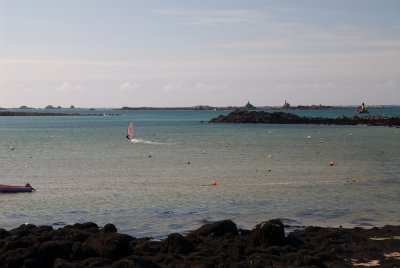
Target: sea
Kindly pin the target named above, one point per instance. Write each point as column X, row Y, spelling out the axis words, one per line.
column 183, row 172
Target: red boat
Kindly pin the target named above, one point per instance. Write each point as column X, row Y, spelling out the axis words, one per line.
column 16, row 189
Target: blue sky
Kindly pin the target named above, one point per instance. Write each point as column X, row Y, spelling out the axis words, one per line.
column 97, row 53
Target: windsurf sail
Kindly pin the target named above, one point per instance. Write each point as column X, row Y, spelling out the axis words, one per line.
column 129, row 131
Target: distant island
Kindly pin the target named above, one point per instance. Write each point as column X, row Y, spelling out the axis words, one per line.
column 26, row 107
column 287, row 106
column 13, row 113
column 243, row 116
column 52, row 107
column 198, row 108
column 250, row 107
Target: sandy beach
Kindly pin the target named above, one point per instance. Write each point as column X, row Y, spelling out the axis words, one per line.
column 218, row 244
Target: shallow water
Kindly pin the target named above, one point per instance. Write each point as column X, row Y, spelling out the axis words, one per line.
column 84, row 169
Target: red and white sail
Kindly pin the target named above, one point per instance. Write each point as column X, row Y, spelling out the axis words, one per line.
column 129, row 131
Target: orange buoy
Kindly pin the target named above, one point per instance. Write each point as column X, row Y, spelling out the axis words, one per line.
column 214, row 183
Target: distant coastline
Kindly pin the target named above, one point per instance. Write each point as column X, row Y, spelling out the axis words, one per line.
column 14, row 113
column 248, row 106
column 228, row 108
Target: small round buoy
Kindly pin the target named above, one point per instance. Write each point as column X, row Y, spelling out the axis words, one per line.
column 149, row 155
column 12, row 148
column 269, row 156
column 320, row 141
column 331, row 163
column 214, row 183
column 350, row 134
column 308, row 137
column 269, row 170
column 226, row 145
column 188, row 163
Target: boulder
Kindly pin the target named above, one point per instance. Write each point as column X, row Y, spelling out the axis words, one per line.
column 89, row 262
column 134, row 262
column 84, row 226
column 269, row 233
column 106, row 245
column 16, row 257
column 3, row 233
column 219, row 228
column 109, row 228
column 50, row 250
column 177, row 244
column 32, row 263
column 80, row 235
column 22, row 230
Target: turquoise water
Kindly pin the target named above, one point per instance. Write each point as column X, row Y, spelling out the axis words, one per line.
column 84, row 169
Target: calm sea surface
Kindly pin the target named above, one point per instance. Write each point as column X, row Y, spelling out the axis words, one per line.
column 84, row 169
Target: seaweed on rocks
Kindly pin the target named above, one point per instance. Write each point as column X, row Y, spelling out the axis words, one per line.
column 218, row 244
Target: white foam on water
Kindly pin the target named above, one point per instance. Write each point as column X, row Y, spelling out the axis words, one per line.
column 146, row 142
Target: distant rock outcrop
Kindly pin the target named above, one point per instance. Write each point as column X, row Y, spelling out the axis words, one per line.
column 249, row 106
column 25, row 107
column 241, row 116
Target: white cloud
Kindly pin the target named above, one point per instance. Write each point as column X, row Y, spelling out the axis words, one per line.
column 195, row 17
column 208, row 87
column 194, row 87
column 307, row 40
column 388, row 84
column 304, row 86
column 67, row 86
column 129, row 86
column 172, row 87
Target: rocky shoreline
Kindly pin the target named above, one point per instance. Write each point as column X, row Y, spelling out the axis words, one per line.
column 242, row 116
column 218, row 244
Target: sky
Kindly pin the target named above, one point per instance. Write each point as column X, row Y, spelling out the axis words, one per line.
column 167, row 53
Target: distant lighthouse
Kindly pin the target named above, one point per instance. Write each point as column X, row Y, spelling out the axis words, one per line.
column 286, row 105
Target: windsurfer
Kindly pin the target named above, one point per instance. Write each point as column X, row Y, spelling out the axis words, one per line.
column 129, row 131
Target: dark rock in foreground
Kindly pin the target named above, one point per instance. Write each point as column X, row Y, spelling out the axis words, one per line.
column 240, row 116
column 219, row 244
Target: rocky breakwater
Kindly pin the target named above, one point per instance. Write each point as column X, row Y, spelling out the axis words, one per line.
column 218, row 244
column 241, row 116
